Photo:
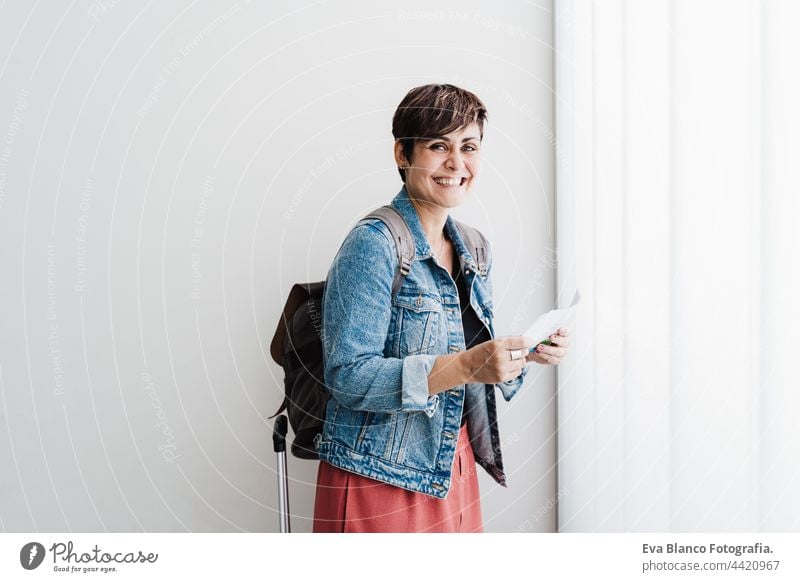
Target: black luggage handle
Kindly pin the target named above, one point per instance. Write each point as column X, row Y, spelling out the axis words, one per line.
column 279, row 431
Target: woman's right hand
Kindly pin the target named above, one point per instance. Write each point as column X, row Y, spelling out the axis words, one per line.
column 498, row 360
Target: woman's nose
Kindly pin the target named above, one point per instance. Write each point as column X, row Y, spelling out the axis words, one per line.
column 455, row 161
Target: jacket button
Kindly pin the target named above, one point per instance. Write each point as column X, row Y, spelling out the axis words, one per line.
column 437, row 487
column 466, row 271
column 454, row 392
column 448, row 434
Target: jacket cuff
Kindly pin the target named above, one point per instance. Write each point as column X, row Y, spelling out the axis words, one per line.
column 510, row 388
column 415, row 384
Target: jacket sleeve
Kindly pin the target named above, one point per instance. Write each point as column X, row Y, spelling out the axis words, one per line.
column 357, row 310
column 510, row 388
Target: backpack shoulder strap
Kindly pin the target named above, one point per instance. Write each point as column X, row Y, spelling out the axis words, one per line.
column 477, row 245
column 403, row 242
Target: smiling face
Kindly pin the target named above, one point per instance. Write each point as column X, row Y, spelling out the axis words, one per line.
column 442, row 171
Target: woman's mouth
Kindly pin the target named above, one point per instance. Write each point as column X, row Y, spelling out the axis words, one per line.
column 450, row 182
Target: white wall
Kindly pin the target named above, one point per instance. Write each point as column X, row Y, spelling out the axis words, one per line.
column 166, row 173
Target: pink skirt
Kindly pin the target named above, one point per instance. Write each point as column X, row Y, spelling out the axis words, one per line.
column 347, row 502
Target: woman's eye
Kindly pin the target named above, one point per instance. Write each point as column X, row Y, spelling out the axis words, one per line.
column 439, row 147
column 470, row 148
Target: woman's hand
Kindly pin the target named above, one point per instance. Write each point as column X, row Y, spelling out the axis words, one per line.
column 498, row 360
column 552, row 354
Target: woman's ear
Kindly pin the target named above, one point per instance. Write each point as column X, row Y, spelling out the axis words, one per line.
column 400, row 156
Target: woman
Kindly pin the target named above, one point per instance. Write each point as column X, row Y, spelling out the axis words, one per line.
column 412, row 375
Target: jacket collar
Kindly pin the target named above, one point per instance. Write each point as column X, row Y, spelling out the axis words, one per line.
column 402, row 203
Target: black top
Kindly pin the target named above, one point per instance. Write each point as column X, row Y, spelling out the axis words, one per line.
column 474, row 330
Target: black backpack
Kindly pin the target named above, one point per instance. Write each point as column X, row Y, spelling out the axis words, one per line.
column 297, row 346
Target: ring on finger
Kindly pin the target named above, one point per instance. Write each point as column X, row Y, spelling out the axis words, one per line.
column 516, row 354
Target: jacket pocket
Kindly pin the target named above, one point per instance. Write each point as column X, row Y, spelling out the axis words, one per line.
column 373, row 433
column 417, row 321
column 417, row 441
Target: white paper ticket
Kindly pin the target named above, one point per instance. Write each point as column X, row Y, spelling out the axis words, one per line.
column 548, row 323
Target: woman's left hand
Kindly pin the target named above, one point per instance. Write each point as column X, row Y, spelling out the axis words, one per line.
column 552, row 354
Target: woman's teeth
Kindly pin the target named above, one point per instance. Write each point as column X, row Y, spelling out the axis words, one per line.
column 448, row 181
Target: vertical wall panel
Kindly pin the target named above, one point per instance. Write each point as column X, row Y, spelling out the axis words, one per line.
column 608, row 257
column 680, row 228
column 646, row 138
column 780, row 333
column 576, row 398
column 712, row 246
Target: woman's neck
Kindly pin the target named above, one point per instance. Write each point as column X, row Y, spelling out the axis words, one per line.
column 433, row 219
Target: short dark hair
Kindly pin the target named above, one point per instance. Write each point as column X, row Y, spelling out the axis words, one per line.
column 431, row 111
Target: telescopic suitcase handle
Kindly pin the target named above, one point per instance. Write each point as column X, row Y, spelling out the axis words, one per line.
column 279, row 430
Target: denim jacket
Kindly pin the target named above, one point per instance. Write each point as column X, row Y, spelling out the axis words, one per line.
column 378, row 351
